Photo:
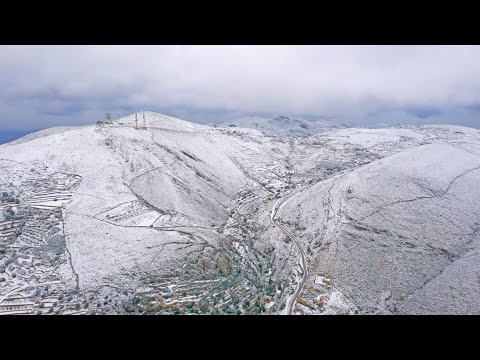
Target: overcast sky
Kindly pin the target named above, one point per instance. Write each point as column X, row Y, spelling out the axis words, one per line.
column 42, row 86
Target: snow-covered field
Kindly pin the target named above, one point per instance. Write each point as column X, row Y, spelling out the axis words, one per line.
column 389, row 216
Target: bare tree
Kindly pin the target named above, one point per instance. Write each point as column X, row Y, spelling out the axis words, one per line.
column 136, row 121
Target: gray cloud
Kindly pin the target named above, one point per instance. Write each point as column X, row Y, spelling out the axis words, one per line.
column 52, row 85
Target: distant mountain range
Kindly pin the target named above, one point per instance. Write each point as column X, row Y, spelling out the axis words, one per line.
column 277, row 126
column 284, row 125
column 7, row 136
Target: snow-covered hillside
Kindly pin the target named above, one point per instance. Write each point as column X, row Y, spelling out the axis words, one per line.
column 284, row 125
column 175, row 217
column 393, row 233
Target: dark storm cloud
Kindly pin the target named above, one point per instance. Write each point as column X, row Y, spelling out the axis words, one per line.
column 53, row 85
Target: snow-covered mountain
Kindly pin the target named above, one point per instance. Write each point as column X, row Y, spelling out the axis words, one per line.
column 175, row 217
column 284, row 125
column 400, row 234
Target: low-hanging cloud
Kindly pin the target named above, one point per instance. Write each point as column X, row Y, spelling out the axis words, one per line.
column 60, row 85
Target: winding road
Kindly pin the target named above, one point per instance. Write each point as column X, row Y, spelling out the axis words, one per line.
column 303, row 262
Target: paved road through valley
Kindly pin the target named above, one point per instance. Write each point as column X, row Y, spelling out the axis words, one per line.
column 303, row 262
